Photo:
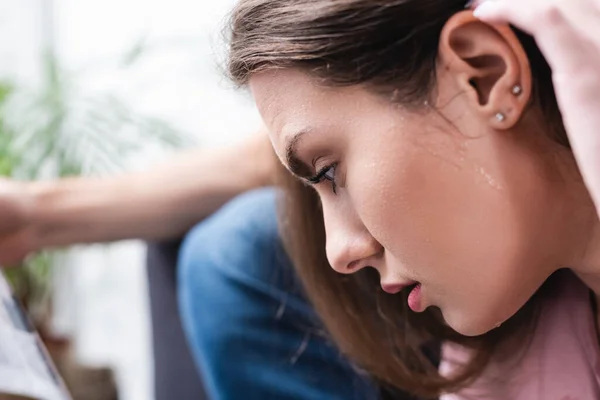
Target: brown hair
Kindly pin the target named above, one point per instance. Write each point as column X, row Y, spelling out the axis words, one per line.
column 359, row 42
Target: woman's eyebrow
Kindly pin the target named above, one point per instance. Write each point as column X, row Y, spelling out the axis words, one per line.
column 295, row 164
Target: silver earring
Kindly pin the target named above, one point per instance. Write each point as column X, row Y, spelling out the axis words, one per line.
column 517, row 90
column 500, row 117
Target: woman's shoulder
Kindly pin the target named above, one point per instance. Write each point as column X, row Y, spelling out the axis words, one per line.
column 561, row 360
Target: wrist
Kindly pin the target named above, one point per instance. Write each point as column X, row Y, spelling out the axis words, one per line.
column 40, row 198
column 65, row 211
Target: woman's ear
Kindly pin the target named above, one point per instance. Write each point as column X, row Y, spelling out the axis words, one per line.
column 489, row 65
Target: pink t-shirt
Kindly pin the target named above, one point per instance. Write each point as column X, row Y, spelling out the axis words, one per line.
column 562, row 362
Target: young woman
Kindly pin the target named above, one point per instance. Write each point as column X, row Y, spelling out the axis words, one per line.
column 447, row 198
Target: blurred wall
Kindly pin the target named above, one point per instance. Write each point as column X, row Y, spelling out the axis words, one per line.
column 177, row 77
column 20, row 39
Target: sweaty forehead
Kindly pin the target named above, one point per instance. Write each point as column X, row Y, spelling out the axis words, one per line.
column 291, row 101
column 288, row 101
column 282, row 96
column 265, row 95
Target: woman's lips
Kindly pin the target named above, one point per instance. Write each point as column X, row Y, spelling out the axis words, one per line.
column 393, row 288
column 414, row 297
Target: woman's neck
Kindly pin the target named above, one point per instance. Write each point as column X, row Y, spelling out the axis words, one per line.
column 586, row 260
column 582, row 228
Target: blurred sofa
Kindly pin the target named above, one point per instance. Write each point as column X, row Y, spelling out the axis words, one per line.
column 175, row 374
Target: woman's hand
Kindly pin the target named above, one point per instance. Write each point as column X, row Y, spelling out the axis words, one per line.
column 568, row 34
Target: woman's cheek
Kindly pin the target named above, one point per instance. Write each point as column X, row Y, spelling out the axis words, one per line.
column 383, row 196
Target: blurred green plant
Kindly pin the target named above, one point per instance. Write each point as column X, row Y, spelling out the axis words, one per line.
column 60, row 130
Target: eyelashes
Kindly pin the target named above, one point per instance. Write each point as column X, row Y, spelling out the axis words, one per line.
column 326, row 173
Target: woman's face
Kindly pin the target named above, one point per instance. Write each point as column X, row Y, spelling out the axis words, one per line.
column 436, row 196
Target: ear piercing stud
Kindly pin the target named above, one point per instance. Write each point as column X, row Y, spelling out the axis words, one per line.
column 516, row 90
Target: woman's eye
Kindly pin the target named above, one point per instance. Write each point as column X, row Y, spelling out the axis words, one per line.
column 326, row 173
column 330, row 174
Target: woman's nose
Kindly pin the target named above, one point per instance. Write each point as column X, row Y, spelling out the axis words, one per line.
column 350, row 246
column 349, row 253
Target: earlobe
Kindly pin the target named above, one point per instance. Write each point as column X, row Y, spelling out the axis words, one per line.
column 489, row 66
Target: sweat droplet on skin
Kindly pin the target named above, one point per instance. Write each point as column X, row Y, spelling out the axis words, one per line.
column 489, row 179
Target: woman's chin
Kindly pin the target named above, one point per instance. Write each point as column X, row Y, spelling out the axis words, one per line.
column 467, row 325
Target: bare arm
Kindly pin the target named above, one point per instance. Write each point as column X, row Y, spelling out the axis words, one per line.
column 161, row 203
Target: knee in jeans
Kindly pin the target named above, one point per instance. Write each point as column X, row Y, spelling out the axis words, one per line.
column 244, row 230
column 239, row 243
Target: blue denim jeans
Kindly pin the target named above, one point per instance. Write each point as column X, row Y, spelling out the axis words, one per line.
column 252, row 331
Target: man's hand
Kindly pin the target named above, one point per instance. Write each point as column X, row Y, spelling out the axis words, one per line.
column 17, row 236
